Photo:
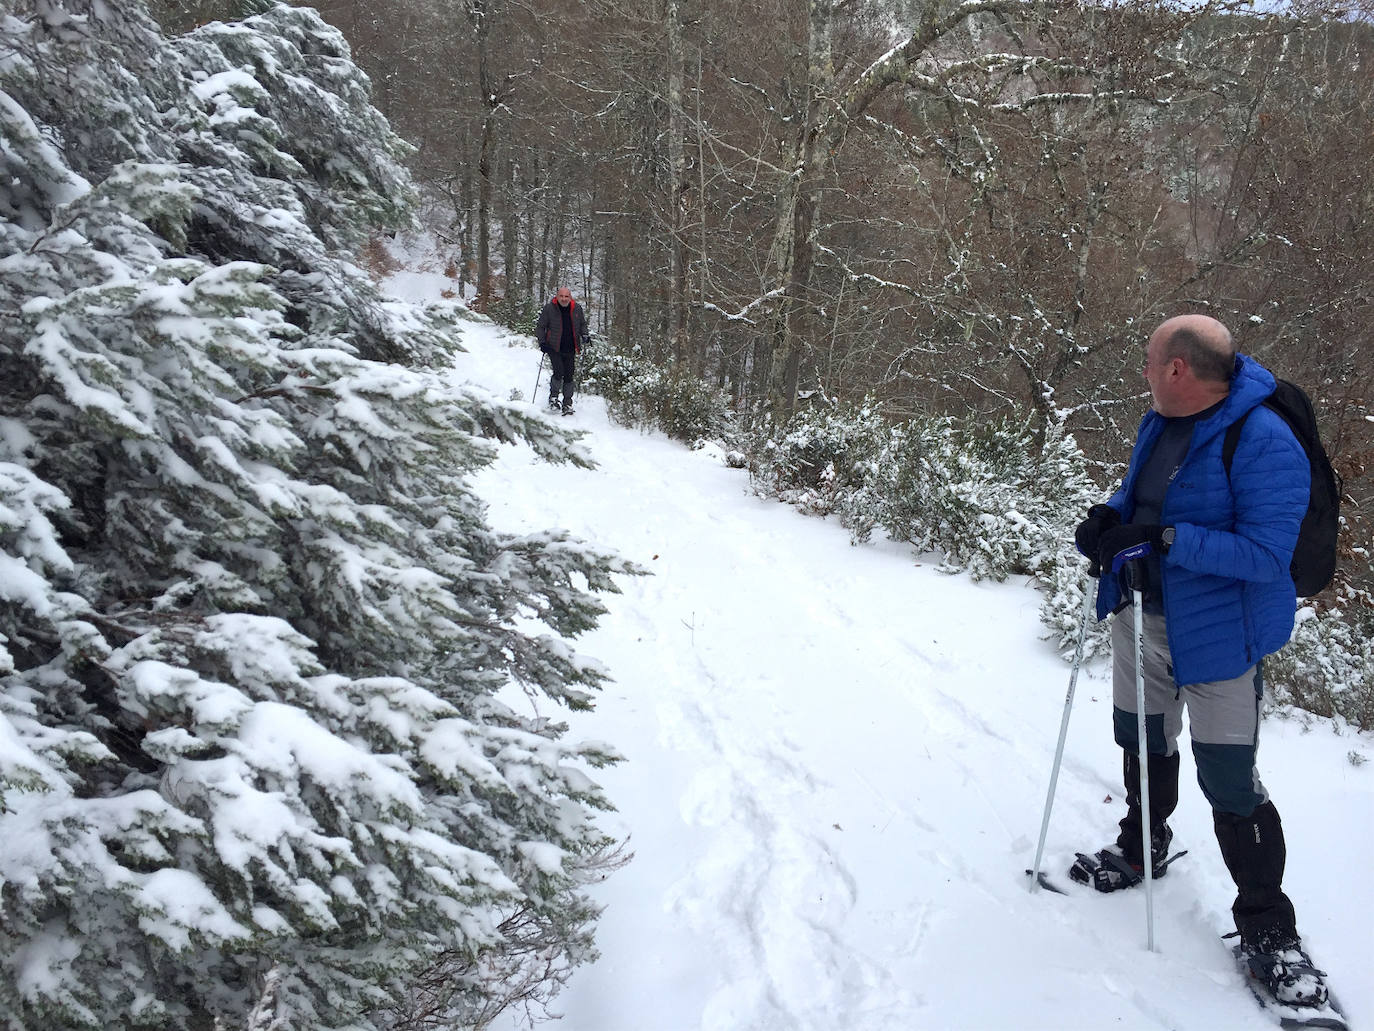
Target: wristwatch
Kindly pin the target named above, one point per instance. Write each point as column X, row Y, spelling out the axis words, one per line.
column 1166, row 537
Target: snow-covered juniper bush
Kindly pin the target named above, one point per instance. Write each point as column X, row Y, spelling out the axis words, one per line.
column 253, row 622
column 822, row 456
column 1328, row 666
column 994, row 499
column 639, row 393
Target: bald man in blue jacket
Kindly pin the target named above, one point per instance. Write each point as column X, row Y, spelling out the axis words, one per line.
column 1218, row 597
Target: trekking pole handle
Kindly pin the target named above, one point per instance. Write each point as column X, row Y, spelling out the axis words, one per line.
column 1133, row 572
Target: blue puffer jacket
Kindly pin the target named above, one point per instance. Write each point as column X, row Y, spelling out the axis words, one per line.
column 1228, row 596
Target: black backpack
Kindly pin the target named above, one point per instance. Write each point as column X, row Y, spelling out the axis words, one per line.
column 1314, row 557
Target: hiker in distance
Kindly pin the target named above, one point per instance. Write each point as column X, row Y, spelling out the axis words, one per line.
column 1218, row 596
column 561, row 331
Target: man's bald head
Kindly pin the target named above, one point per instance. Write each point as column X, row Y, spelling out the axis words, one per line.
column 1189, row 362
column 1203, row 342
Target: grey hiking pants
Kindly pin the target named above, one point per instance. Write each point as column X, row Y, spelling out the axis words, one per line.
column 1223, row 715
column 1223, row 722
column 562, row 378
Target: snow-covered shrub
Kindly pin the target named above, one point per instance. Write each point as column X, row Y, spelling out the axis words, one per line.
column 689, row 410
column 640, row 393
column 610, row 372
column 1061, row 604
column 996, row 501
column 252, row 620
column 990, row 496
column 888, row 488
column 1327, row 667
column 821, row 456
column 515, row 312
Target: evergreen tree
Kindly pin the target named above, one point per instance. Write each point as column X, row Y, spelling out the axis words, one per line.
column 253, row 624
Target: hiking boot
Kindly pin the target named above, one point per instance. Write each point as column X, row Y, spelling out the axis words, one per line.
column 554, row 404
column 1286, row 970
column 1109, row 870
column 568, row 408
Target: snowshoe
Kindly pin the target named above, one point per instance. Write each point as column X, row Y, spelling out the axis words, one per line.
column 1287, row 974
column 1109, row 870
column 554, row 404
column 567, row 409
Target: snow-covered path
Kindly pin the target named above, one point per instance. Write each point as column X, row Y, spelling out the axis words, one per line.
column 836, row 766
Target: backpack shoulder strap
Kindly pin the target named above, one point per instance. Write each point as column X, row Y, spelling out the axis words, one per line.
column 1231, row 441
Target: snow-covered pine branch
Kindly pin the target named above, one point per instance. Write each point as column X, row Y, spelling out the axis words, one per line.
column 252, row 620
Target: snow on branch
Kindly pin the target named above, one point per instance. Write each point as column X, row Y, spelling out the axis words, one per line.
column 868, row 277
column 743, row 314
column 905, row 138
column 896, row 65
column 1019, row 64
column 886, row 284
column 1067, row 97
column 1063, row 415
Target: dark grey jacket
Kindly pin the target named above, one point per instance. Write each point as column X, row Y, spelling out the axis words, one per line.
column 549, row 332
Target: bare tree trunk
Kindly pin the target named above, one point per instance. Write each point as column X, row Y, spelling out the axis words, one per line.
column 677, row 186
column 483, row 274
column 797, row 304
column 510, row 224
column 529, row 177
column 465, row 230
column 627, row 283
column 606, row 313
column 699, row 359
column 547, row 215
column 560, row 228
column 479, row 11
column 591, row 246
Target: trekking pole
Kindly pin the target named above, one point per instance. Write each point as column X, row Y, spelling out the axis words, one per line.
column 1134, row 576
column 1088, row 599
column 535, row 398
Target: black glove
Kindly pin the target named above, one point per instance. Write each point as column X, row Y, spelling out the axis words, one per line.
column 1122, row 544
column 546, row 348
column 1088, row 537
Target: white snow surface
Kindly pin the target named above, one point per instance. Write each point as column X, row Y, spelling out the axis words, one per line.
column 836, row 766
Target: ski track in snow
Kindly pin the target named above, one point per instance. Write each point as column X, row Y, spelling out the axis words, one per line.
column 836, row 766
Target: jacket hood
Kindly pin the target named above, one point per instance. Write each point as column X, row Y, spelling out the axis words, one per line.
column 1250, row 385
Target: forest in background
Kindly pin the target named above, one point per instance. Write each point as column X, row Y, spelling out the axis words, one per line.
column 969, row 209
